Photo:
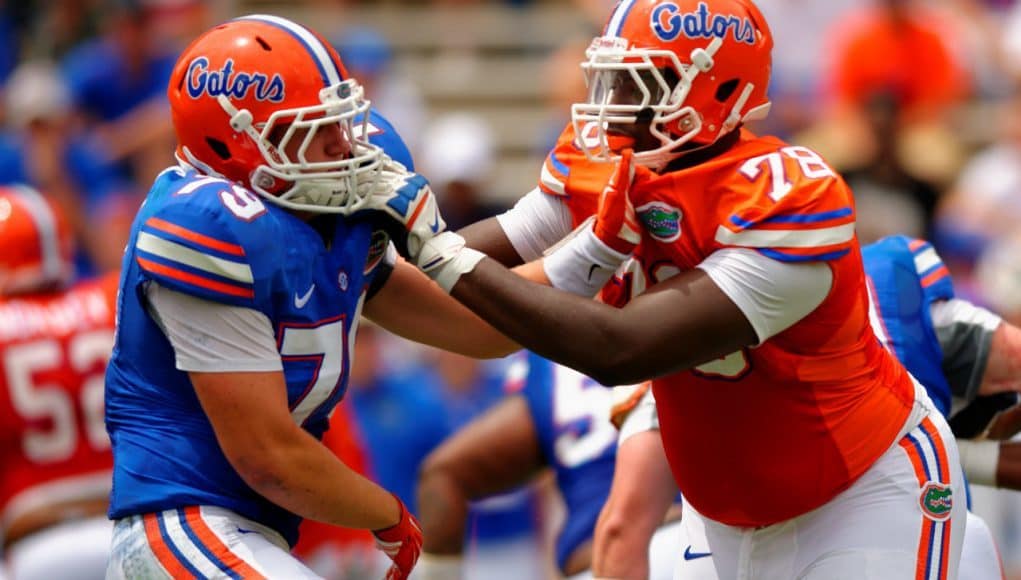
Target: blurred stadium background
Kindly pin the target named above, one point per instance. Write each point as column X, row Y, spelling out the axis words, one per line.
column 916, row 102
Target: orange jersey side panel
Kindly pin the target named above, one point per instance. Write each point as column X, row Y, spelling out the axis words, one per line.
column 53, row 355
column 770, row 432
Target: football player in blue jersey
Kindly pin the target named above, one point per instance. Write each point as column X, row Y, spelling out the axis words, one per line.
column 965, row 356
column 247, row 269
column 557, row 419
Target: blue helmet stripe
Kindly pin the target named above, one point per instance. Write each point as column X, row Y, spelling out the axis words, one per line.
column 619, row 16
column 320, row 54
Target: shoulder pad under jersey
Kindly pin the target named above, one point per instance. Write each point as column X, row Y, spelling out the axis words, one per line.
column 210, row 238
column 788, row 204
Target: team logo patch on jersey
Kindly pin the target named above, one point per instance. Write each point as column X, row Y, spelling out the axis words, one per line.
column 201, row 80
column 662, row 221
column 342, row 281
column 937, row 501
column 377, row 249
column 669, row 22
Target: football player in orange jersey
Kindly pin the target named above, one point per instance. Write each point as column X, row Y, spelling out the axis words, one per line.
column 55, row 339
column 809, row 449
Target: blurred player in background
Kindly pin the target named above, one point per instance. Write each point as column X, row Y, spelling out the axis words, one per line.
column 243, row 281
column 740, row 242
column 555, row 419
column 965, row 356
column 55, row 340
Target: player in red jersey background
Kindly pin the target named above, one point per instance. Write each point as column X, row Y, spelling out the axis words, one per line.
column 55, row 340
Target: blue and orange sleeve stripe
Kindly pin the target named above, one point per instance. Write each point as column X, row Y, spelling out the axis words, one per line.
column 932, row 272
column 194, row 262
column 792, row 237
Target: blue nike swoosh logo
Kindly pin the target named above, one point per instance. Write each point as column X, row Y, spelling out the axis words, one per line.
column 244, row 531
column 435, row 226
column 689, row 555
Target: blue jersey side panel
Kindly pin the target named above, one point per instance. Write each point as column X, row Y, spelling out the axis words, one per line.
column 571, row 415
column 907, row 276
column 220, row 243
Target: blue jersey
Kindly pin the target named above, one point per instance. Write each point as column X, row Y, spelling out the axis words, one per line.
column 905, row 277
column 571, row 413
column 217, row 241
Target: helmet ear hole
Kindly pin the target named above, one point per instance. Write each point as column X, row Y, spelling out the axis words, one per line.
column 218, row 147
column 726, row 89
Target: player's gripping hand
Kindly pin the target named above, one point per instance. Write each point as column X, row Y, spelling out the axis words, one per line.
column 407, row 200
column 616, row 224
column 402, row 542
column 584, row 263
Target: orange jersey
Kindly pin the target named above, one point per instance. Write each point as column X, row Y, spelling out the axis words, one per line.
column 53, row 354
column 770, row 432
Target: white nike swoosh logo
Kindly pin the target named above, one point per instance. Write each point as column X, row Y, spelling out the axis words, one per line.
column 301, row 301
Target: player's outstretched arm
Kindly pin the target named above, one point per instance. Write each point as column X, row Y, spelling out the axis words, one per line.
column 494, row 453
column 680, row 323
column 489, row 237
column 412, row 306
column 677, row 324
column 642, row 491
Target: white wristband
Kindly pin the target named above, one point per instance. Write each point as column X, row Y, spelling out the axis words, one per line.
column 445, row 259
column 583, row 265
column 980, row 460
column 437, row 567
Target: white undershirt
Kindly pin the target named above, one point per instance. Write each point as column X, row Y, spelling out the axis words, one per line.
column 641, row 419
column 211, row 337
column 773, row 295
column 536, row 222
